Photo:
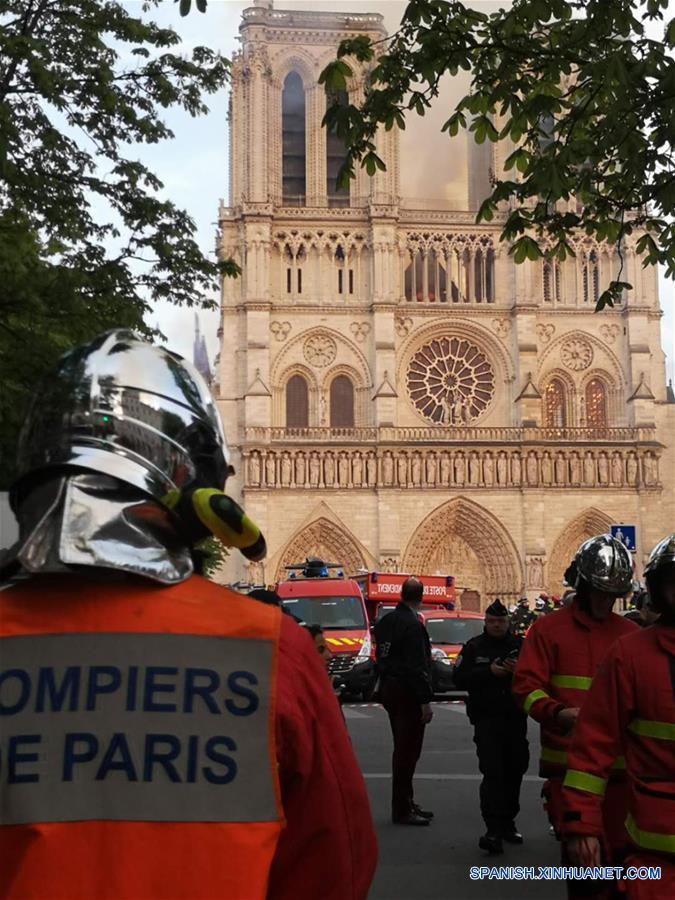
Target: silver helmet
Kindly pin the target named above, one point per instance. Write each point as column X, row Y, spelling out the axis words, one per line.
column 605, row 563
column 122, row 407
column 661, row 555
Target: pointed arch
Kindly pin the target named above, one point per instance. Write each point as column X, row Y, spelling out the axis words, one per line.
column 585, row 525
column 459, row 531
column 327, row 540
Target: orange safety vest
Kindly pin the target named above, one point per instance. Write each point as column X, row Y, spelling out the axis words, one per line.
column 137, row 752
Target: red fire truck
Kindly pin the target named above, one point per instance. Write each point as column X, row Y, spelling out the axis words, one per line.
column 317, row 593
column 382, row 591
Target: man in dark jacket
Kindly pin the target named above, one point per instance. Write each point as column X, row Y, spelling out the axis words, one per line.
column 404, row 668
column 484, row 669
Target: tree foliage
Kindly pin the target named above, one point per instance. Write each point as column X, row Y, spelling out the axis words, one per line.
column 86, row 240
column 583, row 91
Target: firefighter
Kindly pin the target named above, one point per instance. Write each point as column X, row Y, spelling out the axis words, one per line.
column 558, row 662
column 631, row 709
column 161, row 736
column 522, row 618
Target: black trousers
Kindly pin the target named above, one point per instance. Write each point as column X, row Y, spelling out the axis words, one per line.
column 503, row 758
column 407, row 728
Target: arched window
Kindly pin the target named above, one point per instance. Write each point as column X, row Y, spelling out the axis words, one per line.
column 591, row 277
column 341, row 402
column 293, row 128
column 596, row 404
column 552, row 281
column 297, row 402
column 336, row 153
column 555, row 405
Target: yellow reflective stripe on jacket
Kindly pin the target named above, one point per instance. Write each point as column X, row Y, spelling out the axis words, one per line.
column 585, row 782
column 663, row 731
column 577, row 682
column 548, row 754
column 533, row 697
column 650, row 840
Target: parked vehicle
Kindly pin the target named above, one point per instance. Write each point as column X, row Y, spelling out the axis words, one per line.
column 317, row 593
column 448, row 631
column 383, row 590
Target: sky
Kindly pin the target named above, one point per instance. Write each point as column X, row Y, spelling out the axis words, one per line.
column 193, row 166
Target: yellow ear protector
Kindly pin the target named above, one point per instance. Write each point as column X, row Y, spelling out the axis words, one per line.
column 204, row 511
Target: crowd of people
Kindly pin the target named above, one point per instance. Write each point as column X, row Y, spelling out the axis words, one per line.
column 166, row 737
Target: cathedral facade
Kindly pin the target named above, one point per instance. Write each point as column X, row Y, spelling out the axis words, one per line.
column 397, row 393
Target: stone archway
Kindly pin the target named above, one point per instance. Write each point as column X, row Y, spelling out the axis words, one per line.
column 463, row 539
column 327, row 540
column 587, row 524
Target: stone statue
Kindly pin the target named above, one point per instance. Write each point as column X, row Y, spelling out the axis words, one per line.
column 300, row 469
column 650, row 469
column 589, row 468
column 270, row 470
column 460, row 468
column 532, row 469
column 617, row 469
column 431, row 469
column 458, row 413
column 388, row 468
column 546, row 468
column 323, row 416
column 371, row 469
column 631, row 468
column 254, row 469
column 516, row 469
column 416, row 470
column 357, row 470
column 329, row 469
column 402, row 466
column 343, row 470
column 561, row 475
column 575, row 469
column 603, row 469
column 488, row 470
column 446, row 468
column 535, row 575
column 285, row 469
column 502, row 468
column 314, row 469
column 474, row 468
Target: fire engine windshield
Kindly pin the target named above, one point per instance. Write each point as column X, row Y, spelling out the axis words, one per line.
column 453, row 631
column 331, row 613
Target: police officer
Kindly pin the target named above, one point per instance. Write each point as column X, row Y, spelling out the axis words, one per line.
column 152, row 741
column 484, row 669
column 404, row 668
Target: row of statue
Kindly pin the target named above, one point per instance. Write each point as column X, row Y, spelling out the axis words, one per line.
column 430, row 468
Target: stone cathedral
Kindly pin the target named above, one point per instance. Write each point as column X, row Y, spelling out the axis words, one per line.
column 397, row 393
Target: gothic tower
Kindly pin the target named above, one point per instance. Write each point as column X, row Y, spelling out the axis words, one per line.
column 397, row 393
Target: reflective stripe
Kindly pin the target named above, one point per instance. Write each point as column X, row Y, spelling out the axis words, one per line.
column 650, row 840
column 585, row 782
column 549, row 755
column 577, row 682
column 533, row 697
column 664, row 731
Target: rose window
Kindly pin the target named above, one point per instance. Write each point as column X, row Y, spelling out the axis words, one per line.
column 450, row 381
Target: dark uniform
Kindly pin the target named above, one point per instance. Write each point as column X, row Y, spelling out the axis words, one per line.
column 521, row 620
column 500, row 730
column 404, row 667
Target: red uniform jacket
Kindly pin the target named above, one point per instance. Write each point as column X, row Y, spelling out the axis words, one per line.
column 559, row 659
column 327, row 845
column 630, row 710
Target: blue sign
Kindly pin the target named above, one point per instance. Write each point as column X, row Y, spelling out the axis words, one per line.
column 625, row 534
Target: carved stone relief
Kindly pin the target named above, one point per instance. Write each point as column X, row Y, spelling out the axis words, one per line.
column 319, row 350
column 501, row 327
column 454, row 467
column 403, row 324
column 360, row 331
column 576, row 354
column 280, row 330
column 535, row 571
column 545, row 332
column 609, row 332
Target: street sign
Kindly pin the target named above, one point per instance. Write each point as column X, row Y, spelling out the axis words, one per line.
column 625, row 534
